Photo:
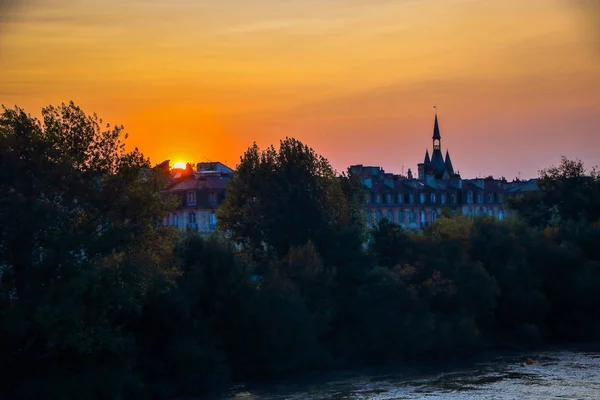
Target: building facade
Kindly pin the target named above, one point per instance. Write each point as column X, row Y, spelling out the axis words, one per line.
column 415, row 203
column 200, row 192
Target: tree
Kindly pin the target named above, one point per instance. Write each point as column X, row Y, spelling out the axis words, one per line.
column 80, row 246
column 281, row 199
column 567, row 192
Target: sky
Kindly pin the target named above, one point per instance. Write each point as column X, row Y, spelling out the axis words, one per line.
column 516, row 83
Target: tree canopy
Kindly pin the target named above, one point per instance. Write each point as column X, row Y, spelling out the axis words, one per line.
column 283, row 198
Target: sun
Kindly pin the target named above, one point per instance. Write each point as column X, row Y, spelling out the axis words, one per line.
column 179, row 165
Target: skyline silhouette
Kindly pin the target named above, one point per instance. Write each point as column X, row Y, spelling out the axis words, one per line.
column 516, row 84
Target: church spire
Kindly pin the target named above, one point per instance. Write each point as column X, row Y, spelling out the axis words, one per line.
column 436, row 129
column 448, row 164
column 427, row 159
column 437, row 138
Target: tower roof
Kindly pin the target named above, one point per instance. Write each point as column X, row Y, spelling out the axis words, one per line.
column 448, row 164
column 436, row 129
column 427, row 159
column 437, row 162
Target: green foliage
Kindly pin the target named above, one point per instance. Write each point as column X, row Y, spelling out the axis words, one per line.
column 566, row 193
column 98, row 300
column 281, row 199
column 80, row 247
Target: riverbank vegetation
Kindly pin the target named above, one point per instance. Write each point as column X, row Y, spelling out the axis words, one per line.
column 99, row 300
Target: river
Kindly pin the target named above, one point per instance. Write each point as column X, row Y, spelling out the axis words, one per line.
column 553, row 375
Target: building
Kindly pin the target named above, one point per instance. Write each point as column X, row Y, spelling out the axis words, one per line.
column 200, row 192
column 414, row 203
column 411, row 202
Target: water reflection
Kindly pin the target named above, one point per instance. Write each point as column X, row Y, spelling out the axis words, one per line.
column 554, row 375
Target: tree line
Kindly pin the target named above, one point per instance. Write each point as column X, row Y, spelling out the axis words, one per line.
column 99, row 300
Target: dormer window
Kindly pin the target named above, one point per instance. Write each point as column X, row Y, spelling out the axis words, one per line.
column 191, row 198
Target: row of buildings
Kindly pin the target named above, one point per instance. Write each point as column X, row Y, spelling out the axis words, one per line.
column 412, row 202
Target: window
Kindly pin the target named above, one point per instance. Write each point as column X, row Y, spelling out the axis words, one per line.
column 479, row 197
column 432, row 198
column 191, row 198
column 175, row 220
column 212, row 197
column 192, row 218
column 500, row 198
column 453, row 198
column 411, row 199
column 470, row 197
column 433, row 216
column 368, row 198
column 379, row 216
column 411, row 216
column 400, row 199
column 390, row 216
column 422, row 198
column 423, row 217
column 377, row 198
column 212, row 221
column 490, row 198
column 400, row 217
column 388, row 198
column 500, row 215
column 443, row 198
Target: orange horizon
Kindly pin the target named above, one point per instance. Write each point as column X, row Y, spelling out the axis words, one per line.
column 516, row 83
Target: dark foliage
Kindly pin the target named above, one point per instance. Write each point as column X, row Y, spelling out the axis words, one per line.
column 98, row 300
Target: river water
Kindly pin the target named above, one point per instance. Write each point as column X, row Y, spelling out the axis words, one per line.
column 554, row 375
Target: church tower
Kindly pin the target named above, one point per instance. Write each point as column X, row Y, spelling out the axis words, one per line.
column 437, row 165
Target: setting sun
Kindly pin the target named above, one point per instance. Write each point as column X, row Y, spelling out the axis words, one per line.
column 179, row 165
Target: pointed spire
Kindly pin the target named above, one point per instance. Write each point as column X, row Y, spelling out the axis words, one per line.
column 448, row 164
column 427, row 159
column 436, row 129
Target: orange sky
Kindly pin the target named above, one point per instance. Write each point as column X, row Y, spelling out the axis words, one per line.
column 517, row 83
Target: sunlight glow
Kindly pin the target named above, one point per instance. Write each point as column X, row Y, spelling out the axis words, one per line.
column 179, row 165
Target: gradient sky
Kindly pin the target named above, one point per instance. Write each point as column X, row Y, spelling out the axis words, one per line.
column 516, row 82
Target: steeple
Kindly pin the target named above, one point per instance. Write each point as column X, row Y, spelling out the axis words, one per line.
column 448, row 164
column 437, row 138
column 427, row 159
column 436, row 129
